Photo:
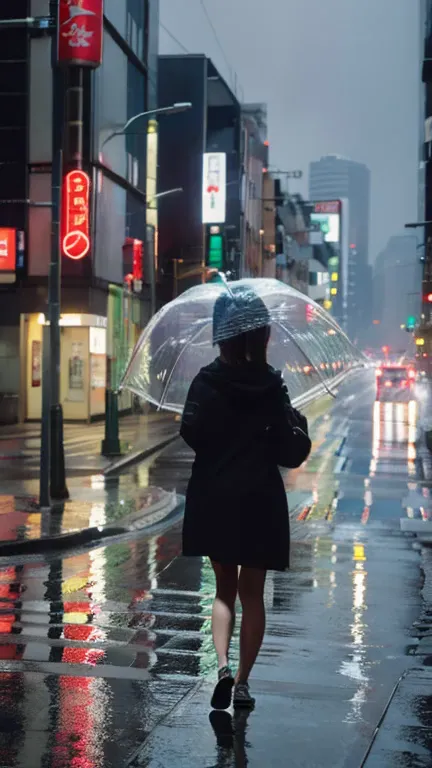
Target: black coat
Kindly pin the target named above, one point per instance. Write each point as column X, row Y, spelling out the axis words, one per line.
column 239, row 423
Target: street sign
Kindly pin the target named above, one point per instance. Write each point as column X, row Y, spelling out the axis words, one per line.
column 75, row 215
column 80, row 33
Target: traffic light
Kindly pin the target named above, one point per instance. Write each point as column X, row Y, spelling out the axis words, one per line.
column 411, row 323
column 429, row 298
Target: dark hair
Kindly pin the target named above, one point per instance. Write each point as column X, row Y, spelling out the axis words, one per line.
column 234, row 350
column 246, row 347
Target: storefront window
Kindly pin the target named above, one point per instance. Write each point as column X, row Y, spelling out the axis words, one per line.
column 120, row 95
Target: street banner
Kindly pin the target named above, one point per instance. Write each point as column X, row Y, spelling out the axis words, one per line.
column 80, row 33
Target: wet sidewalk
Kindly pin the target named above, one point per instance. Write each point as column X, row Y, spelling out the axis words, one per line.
column 20, row 445
column 99, row 507
column 404, row 738
column 106, row 654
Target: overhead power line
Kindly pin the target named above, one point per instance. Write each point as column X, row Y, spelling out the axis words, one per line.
column 173, row 37
column 217, row 38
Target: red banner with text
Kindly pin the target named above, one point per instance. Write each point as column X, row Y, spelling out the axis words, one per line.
column 80, row 33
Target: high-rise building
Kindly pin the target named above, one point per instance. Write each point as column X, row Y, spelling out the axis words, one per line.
column 335, row 178
column 396, row 282
column 117, row 176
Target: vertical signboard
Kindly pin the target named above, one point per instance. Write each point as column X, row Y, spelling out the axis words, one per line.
column 80, row 33
column 326, row 219
column 76, row 215
column 214, row 188
column 8, row 250
column 36, row 363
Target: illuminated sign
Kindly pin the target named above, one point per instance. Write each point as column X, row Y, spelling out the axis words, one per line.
column 133, row 252
column 328, row 206
column 329, row 224
column 80, row 33
column 8, row 250
column 76, row 225
column 215, row 253
column 214, row 188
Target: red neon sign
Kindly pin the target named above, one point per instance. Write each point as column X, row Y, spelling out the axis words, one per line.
column 328, row 206
column 80, row 33
column 8, row 250
column 133, row 251
column 76, row 226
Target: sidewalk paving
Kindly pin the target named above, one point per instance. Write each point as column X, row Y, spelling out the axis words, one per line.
column 404, row 738
column 101, row 508
column 20, row 444
column 102, row 501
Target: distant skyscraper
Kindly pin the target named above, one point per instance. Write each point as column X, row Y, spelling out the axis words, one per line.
column 333, row 178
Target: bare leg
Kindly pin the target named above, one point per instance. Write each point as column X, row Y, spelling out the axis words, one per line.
column 223, row 616
column 251, row 593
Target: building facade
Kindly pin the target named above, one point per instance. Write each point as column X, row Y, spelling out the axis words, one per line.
column 200, row 155
column 269, row 218
column 102, row 312
column 396, row 296
column 255, row 162
column 293, row 252
column 424, row 330
column 336, row 178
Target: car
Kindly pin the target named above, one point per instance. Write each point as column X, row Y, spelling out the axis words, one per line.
column 395, row 382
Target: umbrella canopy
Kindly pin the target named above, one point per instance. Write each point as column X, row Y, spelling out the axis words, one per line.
column 306, row 343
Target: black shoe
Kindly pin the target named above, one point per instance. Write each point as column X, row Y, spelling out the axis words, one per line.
column 221, row 698
column 242, row 697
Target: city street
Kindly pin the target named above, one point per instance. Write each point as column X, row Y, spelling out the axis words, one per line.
column 106, row 655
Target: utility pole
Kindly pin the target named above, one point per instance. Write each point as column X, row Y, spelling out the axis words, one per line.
column 67, row 62
column 52, row 463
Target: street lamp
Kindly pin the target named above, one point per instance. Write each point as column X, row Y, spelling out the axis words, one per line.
column 173, row 109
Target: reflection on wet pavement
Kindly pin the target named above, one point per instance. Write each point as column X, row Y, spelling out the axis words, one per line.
column 98, row 501
column 98, row 648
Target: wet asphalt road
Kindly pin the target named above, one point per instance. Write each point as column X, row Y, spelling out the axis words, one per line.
column 105, row 654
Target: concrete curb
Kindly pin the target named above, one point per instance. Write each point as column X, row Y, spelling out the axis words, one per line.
column 133, row 458
column 381, row 720
column 60, row 542
column 86, row 536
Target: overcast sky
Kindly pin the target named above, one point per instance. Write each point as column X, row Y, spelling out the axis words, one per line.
column 338, row 76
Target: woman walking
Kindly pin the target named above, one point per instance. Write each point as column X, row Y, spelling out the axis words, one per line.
column 239, row 421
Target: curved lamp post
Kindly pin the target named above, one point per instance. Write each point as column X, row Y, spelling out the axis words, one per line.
column 173, row 109
column 111, row 445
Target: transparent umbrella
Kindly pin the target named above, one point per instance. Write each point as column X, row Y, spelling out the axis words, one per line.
column 306, row 344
